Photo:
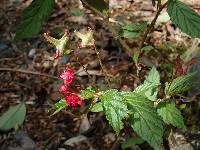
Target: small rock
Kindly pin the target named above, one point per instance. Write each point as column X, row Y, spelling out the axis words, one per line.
column 32, row 53
column 85, row 124
column 75, row 140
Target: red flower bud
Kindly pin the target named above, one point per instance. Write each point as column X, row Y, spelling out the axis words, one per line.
column 73, row 99
column 63, row 88
column 67, row 75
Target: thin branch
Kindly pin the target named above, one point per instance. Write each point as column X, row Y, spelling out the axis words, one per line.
column 100, row 62
column 110, row 27
column 151, row 26
column 84, row 68
column 29, row 72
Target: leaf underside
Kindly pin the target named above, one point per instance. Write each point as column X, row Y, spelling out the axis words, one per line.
column 184, row 17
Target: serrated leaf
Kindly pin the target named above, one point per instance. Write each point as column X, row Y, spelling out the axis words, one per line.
column 150, row 86
column 13, row 117
column 97, row 107
column 184, row 17
column 154, row 78
column 145, row 120
column 170, row 114
column 115, row 108
column 99, row 5
column 131, row 141
column 180, row 84
column 33, row 17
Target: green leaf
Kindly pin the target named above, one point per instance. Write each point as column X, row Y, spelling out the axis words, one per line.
column 33, row 17
column 61, row 104
column 131, row 30
column 115, row 108
column 147, row 48
column 77, row 12
column 131, row 141
column 154, row 78
column 180, row 84
column 135, row 57
column 184, row 17
column 88, row 93
column 170, row 114
column 99, row 5
column 150, row 86
column 129, row 34
column 145, row 120
column 135, row 28
column 97, row 107
column 13, row 117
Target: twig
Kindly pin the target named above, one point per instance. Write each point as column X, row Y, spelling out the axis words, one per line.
column 102, row 66
column 100, row 62
column 151, row 26
column 84, row 68
column 29, row 72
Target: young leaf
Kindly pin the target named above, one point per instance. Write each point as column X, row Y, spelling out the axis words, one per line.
column 33, row 17
column 13, row 117
column 88, row 92
column 147, row 48
column 184, row 17
column 131, row 30
column 97, row 107
column 61, row 104
column 180, row 84
column 145, row 120
column 154, row 78
column 131, row 141
column 170, row 114
column 115, row 108
column 150, row 86
column 135, row 28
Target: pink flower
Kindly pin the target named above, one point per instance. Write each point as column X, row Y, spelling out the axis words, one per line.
column 63, row 88
column 73, row 99
column 67, row 75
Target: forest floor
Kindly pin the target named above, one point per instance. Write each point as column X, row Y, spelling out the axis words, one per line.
column 28, row 72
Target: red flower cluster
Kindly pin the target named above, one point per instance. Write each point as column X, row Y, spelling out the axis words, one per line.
column 67, row 75
column 71, row 98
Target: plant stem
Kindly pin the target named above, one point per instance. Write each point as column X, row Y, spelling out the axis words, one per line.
column 153, row 22
column 84, row 68
column 102, row 66
column 114, row 32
